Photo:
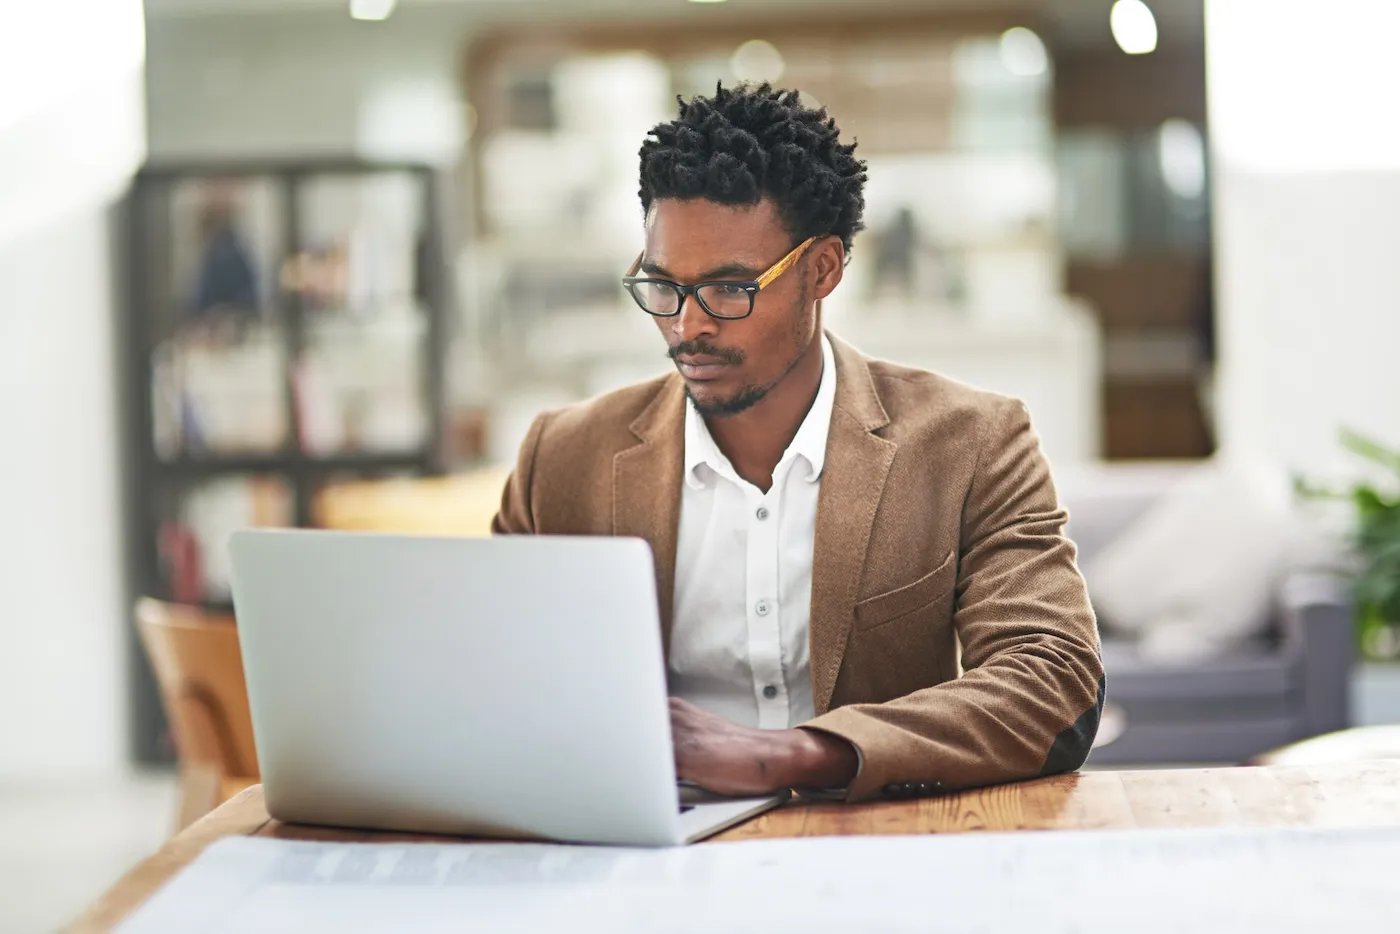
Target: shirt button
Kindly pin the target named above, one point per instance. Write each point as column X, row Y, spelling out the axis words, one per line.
column 761, row 608
column 770, row 692
column 762, row 513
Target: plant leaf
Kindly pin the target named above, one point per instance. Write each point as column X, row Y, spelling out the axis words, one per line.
column 1370, row 504
column 1371, row 449
column 1303, row 488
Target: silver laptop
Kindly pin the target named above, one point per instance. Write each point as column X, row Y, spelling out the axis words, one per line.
column 509, row 687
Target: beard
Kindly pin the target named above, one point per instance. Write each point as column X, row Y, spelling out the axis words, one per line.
column 741, row 401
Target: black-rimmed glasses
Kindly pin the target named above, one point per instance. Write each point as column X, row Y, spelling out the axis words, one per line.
column 663, row 298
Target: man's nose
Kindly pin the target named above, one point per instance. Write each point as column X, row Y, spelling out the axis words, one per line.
column 693, row 322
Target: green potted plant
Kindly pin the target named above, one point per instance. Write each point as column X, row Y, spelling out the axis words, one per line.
column 1376, row 539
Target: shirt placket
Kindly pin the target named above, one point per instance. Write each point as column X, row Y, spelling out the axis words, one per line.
column 764, row 610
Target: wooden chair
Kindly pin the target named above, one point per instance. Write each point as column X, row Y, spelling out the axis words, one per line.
column 460, row 505
column 199, row 670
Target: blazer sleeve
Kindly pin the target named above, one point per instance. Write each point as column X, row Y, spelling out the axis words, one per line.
column 1030, row 699
column 516, row 515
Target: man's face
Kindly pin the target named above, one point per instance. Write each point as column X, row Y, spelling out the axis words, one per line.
column 729, row 365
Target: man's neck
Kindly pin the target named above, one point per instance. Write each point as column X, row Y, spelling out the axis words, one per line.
column 754, row 440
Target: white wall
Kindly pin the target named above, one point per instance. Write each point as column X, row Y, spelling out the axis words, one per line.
column 61, row 649
column 71, row 134
column 1309, row 277
column 1307, row 189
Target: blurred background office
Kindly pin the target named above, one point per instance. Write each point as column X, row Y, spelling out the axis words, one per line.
column 320, row 262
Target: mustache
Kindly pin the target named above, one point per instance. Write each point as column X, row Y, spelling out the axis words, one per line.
column 703, row 348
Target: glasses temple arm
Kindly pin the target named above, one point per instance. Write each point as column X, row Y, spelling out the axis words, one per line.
column 785, row 263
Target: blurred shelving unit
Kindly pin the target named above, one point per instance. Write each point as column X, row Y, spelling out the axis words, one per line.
column 285, row 329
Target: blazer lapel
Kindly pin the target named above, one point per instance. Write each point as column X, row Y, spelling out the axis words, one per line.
column 646, row 490
column 853, row 481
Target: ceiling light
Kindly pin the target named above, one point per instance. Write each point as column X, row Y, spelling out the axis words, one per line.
column 1134, row 27
column 1023, row 53
column 757, row 60
column 1181, row 157
column 371, row 10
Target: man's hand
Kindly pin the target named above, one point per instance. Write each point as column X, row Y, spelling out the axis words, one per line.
column 734, row 760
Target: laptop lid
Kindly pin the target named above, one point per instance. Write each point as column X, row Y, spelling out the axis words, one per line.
column 509, row 686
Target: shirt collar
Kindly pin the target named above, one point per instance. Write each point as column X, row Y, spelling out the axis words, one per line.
column 809, row 443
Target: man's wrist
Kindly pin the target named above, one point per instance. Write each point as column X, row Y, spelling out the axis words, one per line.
column 820, row 760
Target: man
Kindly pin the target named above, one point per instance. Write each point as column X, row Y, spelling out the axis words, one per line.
column 824, row 525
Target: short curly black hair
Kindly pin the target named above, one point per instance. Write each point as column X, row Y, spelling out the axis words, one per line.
column 751, row 141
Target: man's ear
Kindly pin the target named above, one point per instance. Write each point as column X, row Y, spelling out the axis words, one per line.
column 828, row 266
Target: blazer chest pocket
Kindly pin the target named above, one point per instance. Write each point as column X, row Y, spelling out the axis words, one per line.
column 887, row 607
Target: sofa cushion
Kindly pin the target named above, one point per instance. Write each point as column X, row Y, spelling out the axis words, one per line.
column 1195, row 574
column 1104, row 500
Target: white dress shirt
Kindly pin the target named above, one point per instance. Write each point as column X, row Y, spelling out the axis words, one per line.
column 743, row 593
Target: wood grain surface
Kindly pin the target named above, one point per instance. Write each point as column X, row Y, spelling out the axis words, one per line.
column 1324, row 795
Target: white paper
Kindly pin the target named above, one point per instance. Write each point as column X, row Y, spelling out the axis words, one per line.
column 1278, row 880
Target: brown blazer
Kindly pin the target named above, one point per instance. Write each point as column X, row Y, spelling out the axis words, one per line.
column 937, row 518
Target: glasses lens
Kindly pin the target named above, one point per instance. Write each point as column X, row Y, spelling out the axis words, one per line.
column 656, row 298
column 726, row 301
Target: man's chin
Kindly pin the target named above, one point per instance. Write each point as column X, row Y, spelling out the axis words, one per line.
column 711, row 404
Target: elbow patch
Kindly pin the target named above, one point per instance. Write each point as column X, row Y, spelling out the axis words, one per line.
column 1071, row 747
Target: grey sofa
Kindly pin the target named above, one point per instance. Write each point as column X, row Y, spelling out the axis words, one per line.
column 1291, row 683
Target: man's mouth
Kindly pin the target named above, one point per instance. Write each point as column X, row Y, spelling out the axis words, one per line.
column 701, row 366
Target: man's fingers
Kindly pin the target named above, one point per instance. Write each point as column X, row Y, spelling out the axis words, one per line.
column 682, row 706
column 684, row 715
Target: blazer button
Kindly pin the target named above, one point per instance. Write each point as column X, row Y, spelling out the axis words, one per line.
column 891, row 790
column 925, row 788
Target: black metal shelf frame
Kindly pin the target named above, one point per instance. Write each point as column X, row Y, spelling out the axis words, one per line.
column 147, row 477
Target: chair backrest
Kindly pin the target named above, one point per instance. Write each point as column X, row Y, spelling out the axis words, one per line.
column 461, row 505
column 199, row 670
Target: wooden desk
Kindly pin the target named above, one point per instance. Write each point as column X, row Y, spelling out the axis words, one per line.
column 1334, row 795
